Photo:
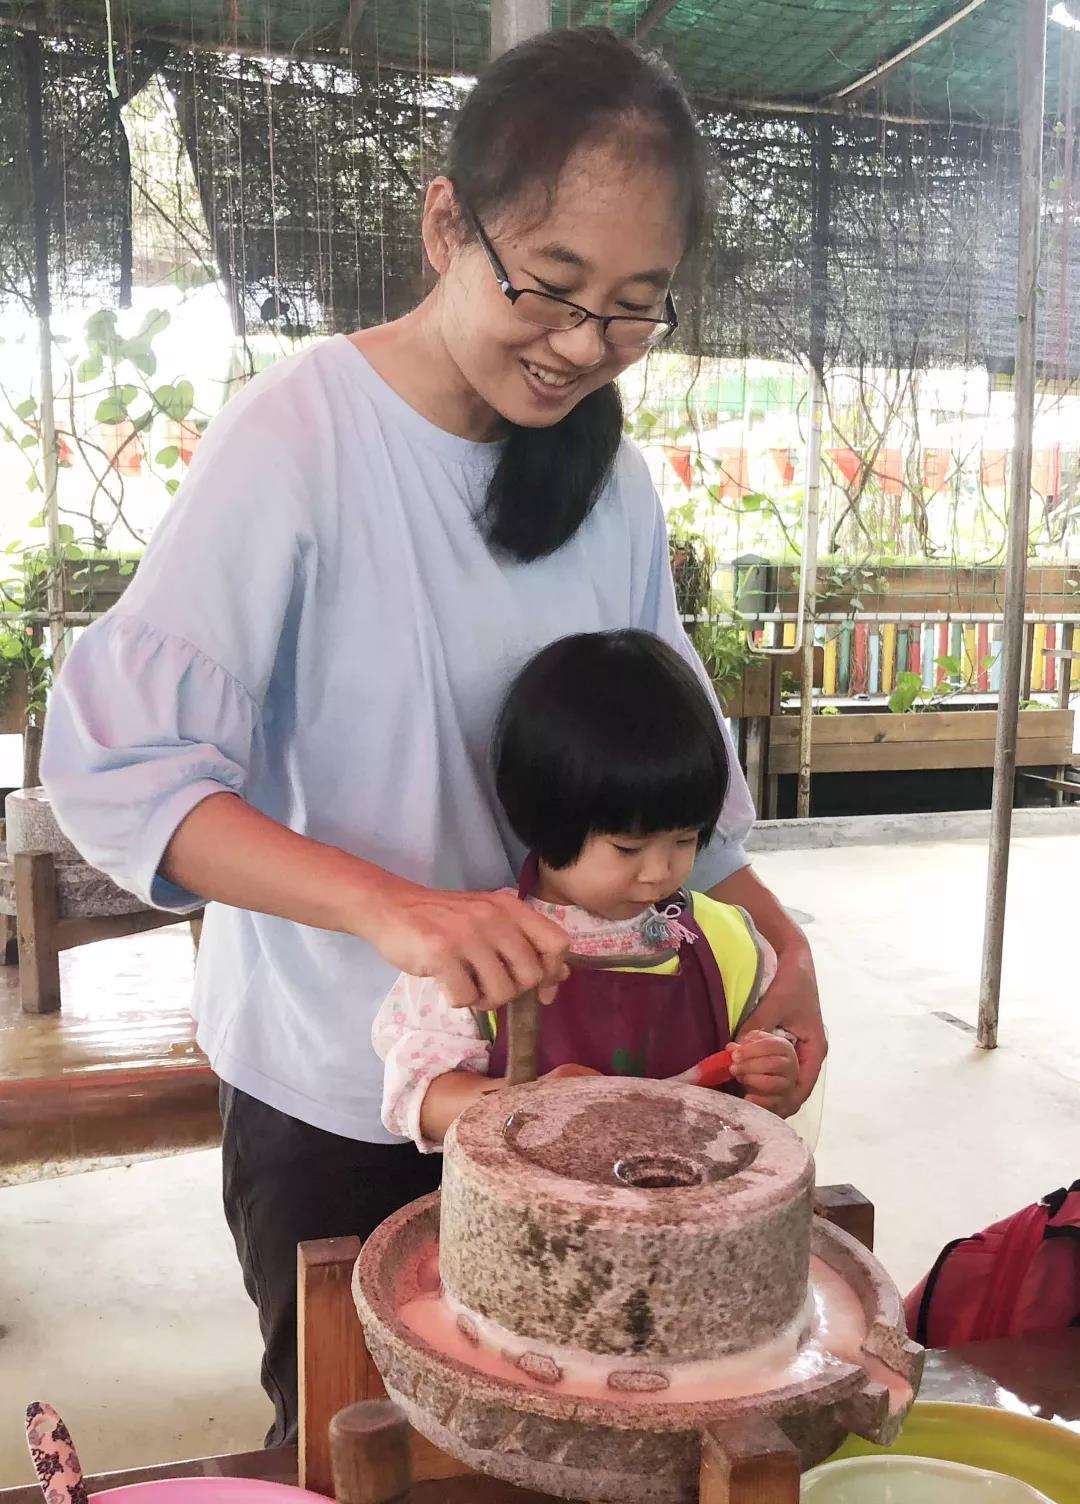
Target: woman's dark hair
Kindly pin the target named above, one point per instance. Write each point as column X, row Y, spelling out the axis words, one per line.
column 608, row 733
column 530, row 110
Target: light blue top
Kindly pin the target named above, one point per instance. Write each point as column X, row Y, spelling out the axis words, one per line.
column 319, row 626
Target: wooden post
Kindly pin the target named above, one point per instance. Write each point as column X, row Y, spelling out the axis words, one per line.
column 1027, row 670
column 332, row 1360
column 848, row 1209
column 514, row 21
column 772, row 782
column 369, row 1454
column 757, row 760
column 748, row 1462
column 36, row 925
column 1065, row 663
column 1032, row 66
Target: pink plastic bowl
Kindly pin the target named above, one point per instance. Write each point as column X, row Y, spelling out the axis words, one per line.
column 209, row 1491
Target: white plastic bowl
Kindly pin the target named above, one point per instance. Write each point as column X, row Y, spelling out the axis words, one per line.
column 912, row 1480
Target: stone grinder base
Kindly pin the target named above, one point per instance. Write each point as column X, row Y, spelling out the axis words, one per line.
column 607, row 1450
column 744, row 1463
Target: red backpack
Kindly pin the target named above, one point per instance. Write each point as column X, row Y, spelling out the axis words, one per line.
column 1019, row 1277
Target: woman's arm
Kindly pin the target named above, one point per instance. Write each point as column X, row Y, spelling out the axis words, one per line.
column 484, row 949
column 791, row 1002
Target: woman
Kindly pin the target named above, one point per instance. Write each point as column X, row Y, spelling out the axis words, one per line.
column 290, row 710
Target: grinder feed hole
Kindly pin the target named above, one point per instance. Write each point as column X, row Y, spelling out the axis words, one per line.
column 658, row 1172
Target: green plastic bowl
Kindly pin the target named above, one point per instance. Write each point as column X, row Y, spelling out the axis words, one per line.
column 1045, row 1456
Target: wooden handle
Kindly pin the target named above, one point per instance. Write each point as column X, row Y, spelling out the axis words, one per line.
column 748, row 1462
column 523, row 1023
column 369, row 1454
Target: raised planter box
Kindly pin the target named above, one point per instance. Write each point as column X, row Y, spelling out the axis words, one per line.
column 919, row 740
column 923, row 589
column 758, row 689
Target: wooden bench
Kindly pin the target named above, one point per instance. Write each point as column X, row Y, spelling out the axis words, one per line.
column 35, row 934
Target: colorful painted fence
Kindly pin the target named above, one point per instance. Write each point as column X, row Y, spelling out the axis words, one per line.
column 864, row 658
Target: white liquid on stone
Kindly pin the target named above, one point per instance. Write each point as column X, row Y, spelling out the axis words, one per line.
column 835, row 1319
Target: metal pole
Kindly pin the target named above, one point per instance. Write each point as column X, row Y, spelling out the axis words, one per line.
column 54, row 585
column 1032, row 105
column 29, row 47
column 810, row 549
column 820, row 217
column 514, row 21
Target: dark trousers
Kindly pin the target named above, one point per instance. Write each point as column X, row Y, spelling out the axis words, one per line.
column 286, row 1183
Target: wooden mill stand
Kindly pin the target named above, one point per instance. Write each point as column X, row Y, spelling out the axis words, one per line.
column 369, row 1455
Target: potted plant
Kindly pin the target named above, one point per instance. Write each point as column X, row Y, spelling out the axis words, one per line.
column 720, row 640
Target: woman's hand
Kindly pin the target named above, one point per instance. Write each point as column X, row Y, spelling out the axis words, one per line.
column 767, row 1068
column 484, row 949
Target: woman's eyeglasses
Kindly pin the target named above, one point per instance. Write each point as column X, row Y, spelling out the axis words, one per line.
column 547, row 311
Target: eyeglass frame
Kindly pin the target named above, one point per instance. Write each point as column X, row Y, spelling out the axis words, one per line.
column 669, row 323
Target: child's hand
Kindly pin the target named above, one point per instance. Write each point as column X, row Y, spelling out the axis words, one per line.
column 567, row 1072
column 767, row 1068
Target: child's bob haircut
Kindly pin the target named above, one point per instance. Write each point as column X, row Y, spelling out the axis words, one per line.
column 608, row 733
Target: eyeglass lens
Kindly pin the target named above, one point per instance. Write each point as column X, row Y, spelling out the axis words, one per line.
column 550, row 313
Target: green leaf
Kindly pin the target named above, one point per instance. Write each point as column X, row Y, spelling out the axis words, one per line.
column 172, row 486
column 111, row 410
column 155, row 322
column 73, row 551
column 90, row 369
column 187, row 278
column 907, row 690
column 951, row 666
column 29, row 441
column 32, row 483
column 38, row 521
column 101, row 326
column 167, row 457
column 128, row 393
column 26, row 409
column 127, row 567
column 142, row 358
column 175, row 401
column 66, row 533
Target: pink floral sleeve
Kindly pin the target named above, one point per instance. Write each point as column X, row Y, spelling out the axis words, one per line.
column 418, row 1036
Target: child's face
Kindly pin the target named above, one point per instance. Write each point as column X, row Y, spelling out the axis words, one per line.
column 620, row 876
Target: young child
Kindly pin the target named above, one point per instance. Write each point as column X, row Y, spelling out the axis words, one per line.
column 611, row 770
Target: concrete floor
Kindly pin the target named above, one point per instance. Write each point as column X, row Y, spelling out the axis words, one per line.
column 119, row 1294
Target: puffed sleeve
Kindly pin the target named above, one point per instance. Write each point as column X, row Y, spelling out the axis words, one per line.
column 160, row 703
column 141, row 728
column 659, row 614
column 418, row 1036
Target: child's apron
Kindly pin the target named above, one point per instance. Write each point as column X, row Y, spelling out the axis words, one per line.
column 631, row 1023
